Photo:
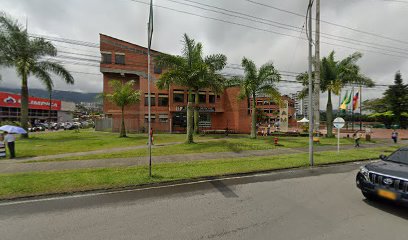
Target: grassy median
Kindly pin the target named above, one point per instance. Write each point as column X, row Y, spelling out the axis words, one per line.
column 28, row 184
column 50, row 143
column 235, row 143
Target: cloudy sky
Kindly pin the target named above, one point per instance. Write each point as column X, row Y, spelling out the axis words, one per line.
column 261, row 40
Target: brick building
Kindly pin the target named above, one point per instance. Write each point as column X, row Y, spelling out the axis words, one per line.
column 125, row 61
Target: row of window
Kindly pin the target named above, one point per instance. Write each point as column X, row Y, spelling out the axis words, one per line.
column 120, row 59
column 178, row 97
column 163, row 118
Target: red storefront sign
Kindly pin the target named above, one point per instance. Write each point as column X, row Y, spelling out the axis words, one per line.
column 14, row 100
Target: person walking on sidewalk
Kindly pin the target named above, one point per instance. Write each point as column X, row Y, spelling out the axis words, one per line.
column 394, row 136
column 151, row 135
column 9, row 139
column 357, row 137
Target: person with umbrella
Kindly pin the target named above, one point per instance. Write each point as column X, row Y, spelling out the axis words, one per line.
column 9, row 139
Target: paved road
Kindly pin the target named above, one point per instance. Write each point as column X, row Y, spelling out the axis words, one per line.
column 313, row 204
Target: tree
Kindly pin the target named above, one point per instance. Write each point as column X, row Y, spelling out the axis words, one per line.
column 334, row 75
column 123, row 95
column 192, row 71
column 28, row 56
column 210, row 78
column 396, row 97
column 256, row 82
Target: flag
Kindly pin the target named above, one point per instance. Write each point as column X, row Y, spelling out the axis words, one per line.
column 355, row 101
column 346, row 101
column 150, row 25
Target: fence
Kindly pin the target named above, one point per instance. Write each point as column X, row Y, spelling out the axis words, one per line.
column 104, row 124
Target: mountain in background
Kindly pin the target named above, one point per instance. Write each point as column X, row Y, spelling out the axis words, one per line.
column 75, row 97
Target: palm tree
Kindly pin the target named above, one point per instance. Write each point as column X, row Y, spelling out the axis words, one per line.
column 210, row 78
column 122, row 96
column 192, row 71
column 27, row 55
column 256, row 82
column 334, row 75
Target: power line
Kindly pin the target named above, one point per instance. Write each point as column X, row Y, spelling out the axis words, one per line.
column 328, row 22
column 266, row 30
column 292, row 28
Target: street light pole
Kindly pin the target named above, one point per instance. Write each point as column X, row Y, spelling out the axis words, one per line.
column 311, row 123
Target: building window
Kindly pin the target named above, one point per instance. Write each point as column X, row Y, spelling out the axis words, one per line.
column 106, row 58
column 163, row 100
column 202, row 97
column 178, row 96
column 152, row 99
column 152, row 118
column 119, row 58
column 163, row 118
column 157, row 69
column 211, row 98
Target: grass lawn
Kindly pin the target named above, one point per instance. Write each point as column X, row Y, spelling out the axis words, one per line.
column 235, row 143
column 49, row 143
column 25, row 184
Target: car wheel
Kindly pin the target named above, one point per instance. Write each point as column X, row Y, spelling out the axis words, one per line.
column 368, row 196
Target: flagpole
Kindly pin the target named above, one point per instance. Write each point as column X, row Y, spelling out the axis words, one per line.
column 149, row 41
column 361, row 121
column 352, row 110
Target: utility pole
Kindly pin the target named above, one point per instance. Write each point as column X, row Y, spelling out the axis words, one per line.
column 316, row 88
column 311, row 124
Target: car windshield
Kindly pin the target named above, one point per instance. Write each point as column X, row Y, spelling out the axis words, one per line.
column 400, row 156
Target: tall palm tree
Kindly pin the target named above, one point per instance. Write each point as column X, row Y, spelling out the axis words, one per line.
column 193, row 71
column 256, row 82
column 123, row 95
column 334, row 75
column 27, row 56
column 210, row 78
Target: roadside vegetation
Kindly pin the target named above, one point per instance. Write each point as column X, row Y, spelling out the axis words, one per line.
column 35, row 183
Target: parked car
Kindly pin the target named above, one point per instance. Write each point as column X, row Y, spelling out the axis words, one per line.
column 68, row 126
column 37, row 128
column 387, row 178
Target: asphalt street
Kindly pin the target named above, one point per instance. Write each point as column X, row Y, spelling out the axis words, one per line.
column 320, row 203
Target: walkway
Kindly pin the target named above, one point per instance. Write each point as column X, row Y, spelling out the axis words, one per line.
column 17, row 166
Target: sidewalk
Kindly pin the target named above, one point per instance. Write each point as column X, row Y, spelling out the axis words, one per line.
column 19, row 167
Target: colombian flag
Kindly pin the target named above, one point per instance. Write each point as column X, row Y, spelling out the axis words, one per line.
column 346, row 101
column 355, row 101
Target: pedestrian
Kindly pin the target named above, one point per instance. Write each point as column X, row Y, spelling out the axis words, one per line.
column 2, row 146
column 151, row 135
column 357, row 137
column 9, row 139
column 269, row 129
column 394, row 136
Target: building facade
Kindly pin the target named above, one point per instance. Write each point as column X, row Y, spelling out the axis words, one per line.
column 124, row 61
column 38, row 109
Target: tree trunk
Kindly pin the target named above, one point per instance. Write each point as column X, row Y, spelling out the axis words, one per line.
column 24, row 104
column 196, row 114
column 190, row 138
column 122, row 127
column 329, row 112
column 253, row 125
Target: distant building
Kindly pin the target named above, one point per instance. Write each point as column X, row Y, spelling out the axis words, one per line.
column 300, row 104
column 38, row 109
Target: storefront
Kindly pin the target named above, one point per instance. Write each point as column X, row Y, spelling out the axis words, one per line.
column 39, row 109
